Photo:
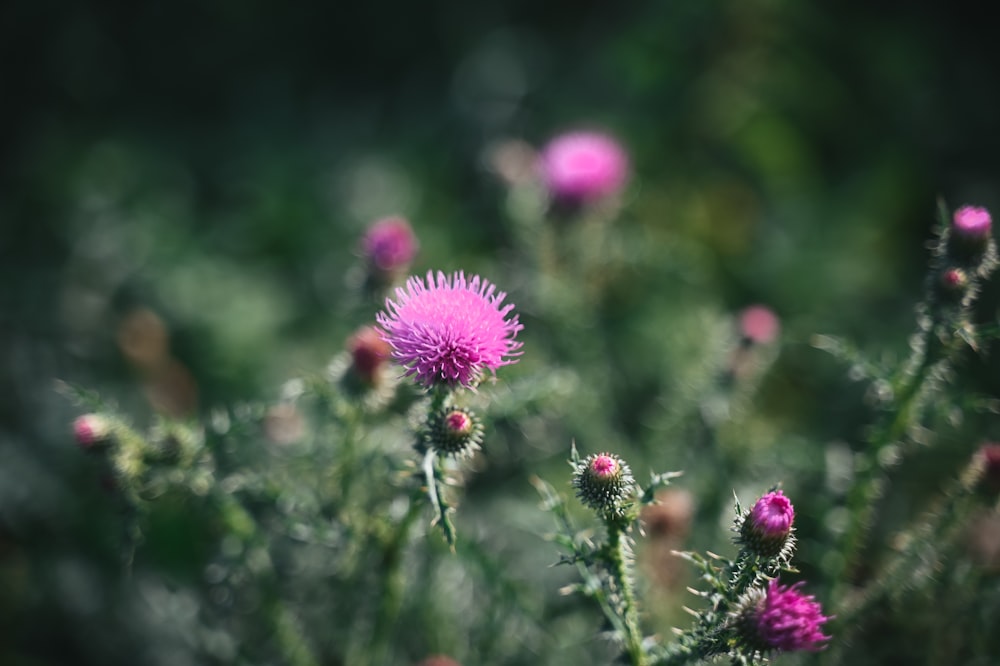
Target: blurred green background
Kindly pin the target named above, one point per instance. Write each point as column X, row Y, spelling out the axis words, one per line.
column 216, row 162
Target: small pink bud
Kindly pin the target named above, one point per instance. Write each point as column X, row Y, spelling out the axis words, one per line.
column 759, row 325
column 458, row 423
column 954, row 279
column 972, row 222
column 603, row 466
column 90, row 430
column 390, row 244
column 583, row 167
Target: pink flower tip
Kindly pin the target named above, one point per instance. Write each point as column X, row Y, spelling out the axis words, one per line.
column 603, row 466
column 389, row 244
column 788, row 620
column 759, row 324
column 989, row 454
column 450, row 329
column 90, row 430
column 583, row 166
column 972, row 222
column 772, row 515
column 458, row 423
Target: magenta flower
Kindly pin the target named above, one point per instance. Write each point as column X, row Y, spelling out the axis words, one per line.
column 390, row 244
column 450, row 329
column 972, row 222
column 788, row 620
column 583, row 166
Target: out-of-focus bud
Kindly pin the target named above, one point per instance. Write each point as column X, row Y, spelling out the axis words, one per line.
column 759, row 325
column 583, row 167
column 972, row 223
column 369, row 352
column 389, row 245
column 91, row 431
column 439, row 660
column 989, row 464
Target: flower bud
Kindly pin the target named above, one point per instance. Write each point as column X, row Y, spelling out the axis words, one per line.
column 369, row 352
column 783, row 619
column 91, row 431
column 759, row 325
column 989, row 459
column 389, row 246
column 767, row 527
column 582, row 167
column 454, row 431
column 604, row 483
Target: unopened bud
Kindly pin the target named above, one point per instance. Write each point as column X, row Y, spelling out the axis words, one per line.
column 782, row 620
column 91, row 431
column 604, row 483
column 454, row 431
column 768, row 526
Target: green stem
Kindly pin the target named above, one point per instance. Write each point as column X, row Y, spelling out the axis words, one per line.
column 619, row 560
column 391, row 597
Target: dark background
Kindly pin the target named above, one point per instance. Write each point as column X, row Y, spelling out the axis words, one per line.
column 217, row 161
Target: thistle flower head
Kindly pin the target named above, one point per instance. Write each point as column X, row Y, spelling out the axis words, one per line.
column 583, row 166
column 604, row 483
column 972, row 222
column 91, row 430
column 454, row 431
column 449, row 330
column 389, row 244
column 786, row 620
column 767, row 528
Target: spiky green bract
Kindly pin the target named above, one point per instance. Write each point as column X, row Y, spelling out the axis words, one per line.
column 453, row 431
column 604, row 483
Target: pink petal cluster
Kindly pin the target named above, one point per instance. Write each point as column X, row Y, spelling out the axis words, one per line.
column 759, row 324
column 449, row 329
column 972, row 222
column 390, row 244
column 583, row 166
column 772, row 515
column 788, row 620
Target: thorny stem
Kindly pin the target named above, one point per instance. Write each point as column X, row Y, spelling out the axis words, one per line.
column 619, row 559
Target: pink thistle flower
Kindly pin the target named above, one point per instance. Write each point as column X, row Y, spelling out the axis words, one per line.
column 989, row 456
column 788, row 620
column 390, row 244
column 583, row 166
column 450, row 329
column 759, row 325
column 972, row 222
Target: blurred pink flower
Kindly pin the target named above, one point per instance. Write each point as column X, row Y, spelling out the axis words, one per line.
column 583, row 166
column 390, row 244
column 90, row 430
column 972, row 222
column 759, row 324
column 788, row 620
column 449, row 329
